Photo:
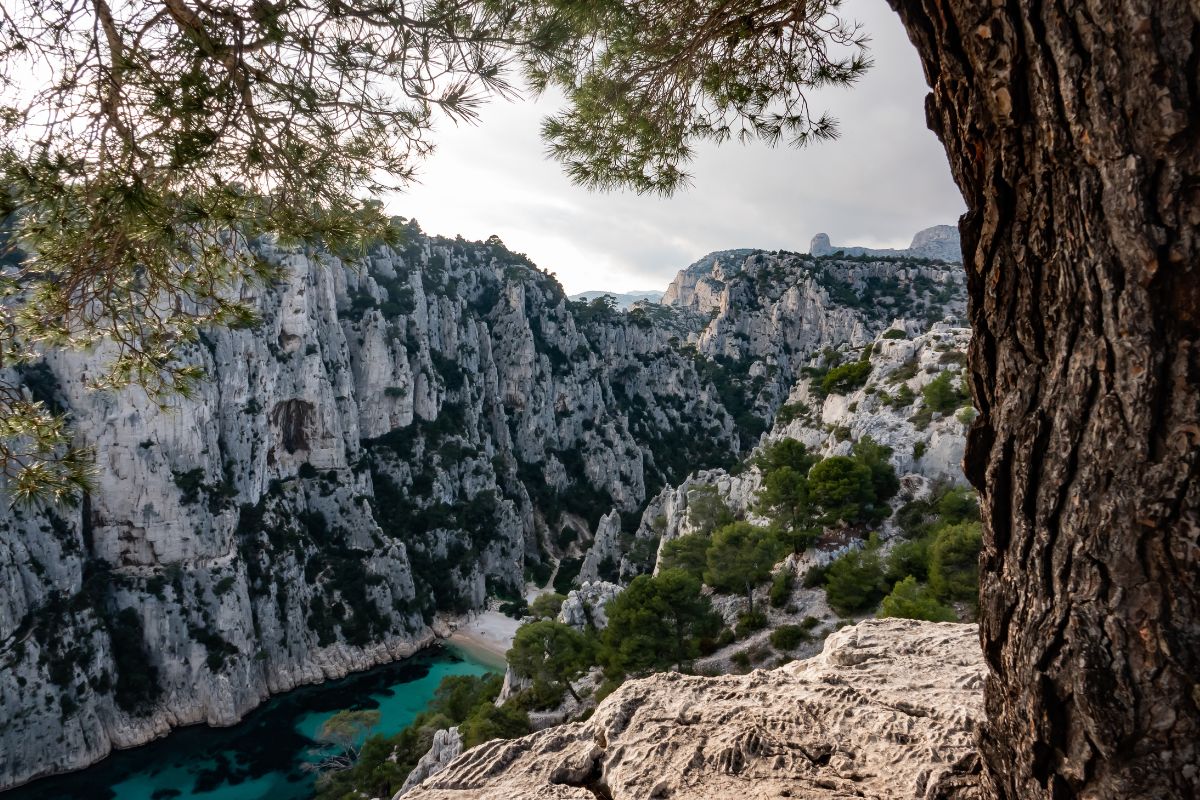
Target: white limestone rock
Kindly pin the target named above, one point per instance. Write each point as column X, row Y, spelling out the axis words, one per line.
column 585, row 606
column 447, row 745
column 888, row 709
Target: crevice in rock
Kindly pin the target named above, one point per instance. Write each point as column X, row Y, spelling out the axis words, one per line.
column 592, row 781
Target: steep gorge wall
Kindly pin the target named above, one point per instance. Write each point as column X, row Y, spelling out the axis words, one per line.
column 396, row 440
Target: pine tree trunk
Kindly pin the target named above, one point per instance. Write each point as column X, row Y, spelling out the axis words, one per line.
column 1073, row 131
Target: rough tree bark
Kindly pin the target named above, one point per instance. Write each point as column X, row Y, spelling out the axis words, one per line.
column 1073, row 131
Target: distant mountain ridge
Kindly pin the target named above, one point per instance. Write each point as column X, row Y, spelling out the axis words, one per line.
column 939, row 242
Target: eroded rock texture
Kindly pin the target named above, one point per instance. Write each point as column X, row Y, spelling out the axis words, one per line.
column 887, row 710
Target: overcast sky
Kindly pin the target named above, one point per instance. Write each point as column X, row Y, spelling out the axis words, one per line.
column 882, row 181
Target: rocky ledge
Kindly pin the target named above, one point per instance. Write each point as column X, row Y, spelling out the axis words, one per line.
column 887, row 710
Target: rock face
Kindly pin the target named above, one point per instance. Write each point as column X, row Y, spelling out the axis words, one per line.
column 887, row 710
column 584, row 606
column 889, row 408
column 939, row 242
column 694, row 287
column 447, row 745
column 398, row 438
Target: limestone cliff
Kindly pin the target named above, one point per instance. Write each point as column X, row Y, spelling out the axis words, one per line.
column 397, row 438
column 887, row 710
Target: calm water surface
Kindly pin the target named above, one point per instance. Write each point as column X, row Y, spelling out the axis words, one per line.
column 264, row 756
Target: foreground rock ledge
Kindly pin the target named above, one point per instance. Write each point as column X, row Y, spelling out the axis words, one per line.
column 887, row 710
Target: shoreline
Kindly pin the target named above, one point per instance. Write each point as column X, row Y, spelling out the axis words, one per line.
column 464, row 644
column 485, row 636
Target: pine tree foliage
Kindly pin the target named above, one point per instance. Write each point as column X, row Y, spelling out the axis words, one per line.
column 646, row 81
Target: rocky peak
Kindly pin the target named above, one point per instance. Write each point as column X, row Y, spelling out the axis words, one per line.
column 941, row 242
column 698, row 286
column 820, row 245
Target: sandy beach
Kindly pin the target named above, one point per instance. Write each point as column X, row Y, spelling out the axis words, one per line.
column 486, row 637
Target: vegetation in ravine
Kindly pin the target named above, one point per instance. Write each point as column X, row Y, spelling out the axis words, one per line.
column 934, row 566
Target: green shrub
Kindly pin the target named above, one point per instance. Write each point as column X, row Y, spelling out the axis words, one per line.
column 566, row 537
column 909, row 558
column 855, row 581
column 808, row 623
column 568, row 570
column 789, row 412
column 538, row 572
column 741, row 659
column 489, row 722
column 547, row 605
column 953, row 357
column 842, row 488
column 781, row 587
column 688, row 553
column 657, row 623
column 958, row 504
column 912, row 600
column 740, row 558
column 954, row 561
column 846, row 378
column 514, row 608
column 941, row 395
column 789, row 637
column 905, row 371
column 706, row 510
column 726, row 637
column 749, row 622
column 894, row 333
column 814, row 577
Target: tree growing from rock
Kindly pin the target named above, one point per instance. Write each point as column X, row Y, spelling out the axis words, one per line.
column 741, row 557
column 657, row 623
column 552, row 654
column 842, row 488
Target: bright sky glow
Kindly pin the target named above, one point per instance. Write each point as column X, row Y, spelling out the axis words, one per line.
column 883, row 180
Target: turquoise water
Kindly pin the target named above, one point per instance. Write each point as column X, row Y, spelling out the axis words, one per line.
column 263, row 756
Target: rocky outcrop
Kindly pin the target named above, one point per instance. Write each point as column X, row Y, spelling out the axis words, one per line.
column 887, row 710
column 602, row 558
column 584, row 607
column 941, row 242
column 447, row 745
column 696, row 286
column 889, row 408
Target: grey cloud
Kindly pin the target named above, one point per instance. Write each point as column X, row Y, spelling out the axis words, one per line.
column 883, row 180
